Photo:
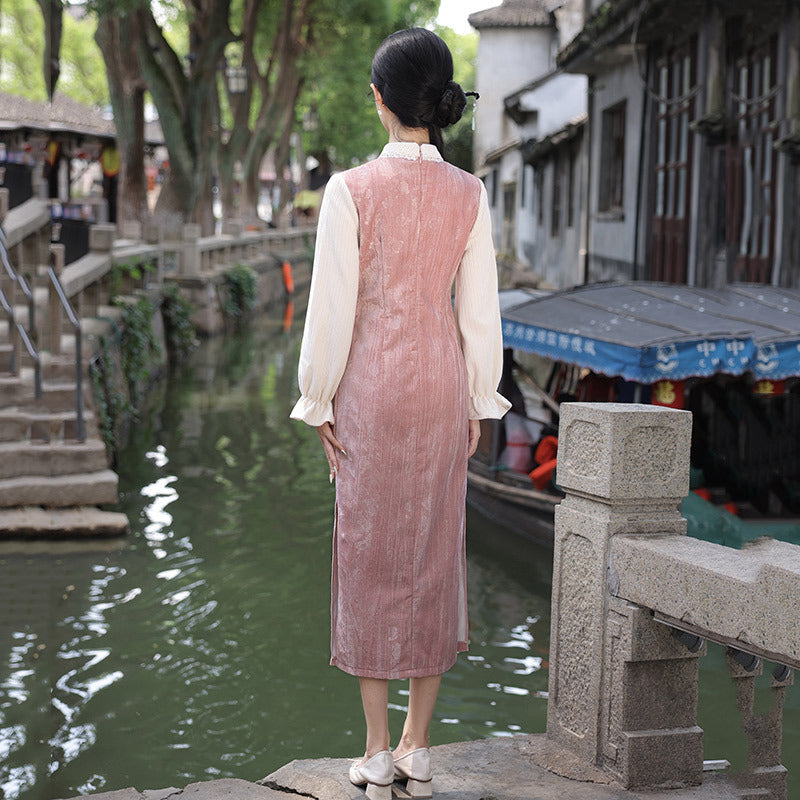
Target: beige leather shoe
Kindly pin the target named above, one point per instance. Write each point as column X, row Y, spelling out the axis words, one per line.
column 377, row 773
column 416, row 766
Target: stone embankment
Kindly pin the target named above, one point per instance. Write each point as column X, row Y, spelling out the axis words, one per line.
column 55, row 471
column 515, row 768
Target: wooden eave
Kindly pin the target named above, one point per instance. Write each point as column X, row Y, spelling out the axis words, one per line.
column 606, row 36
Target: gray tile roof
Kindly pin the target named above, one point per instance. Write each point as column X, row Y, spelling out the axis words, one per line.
column 514, row 14
column 64, row 114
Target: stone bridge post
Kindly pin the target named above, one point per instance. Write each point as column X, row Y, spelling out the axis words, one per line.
column 623, row 689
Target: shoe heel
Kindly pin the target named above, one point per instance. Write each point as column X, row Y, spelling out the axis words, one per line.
column 419, row 789
column 376, row 792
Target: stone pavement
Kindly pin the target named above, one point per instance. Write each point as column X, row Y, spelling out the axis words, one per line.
column 514, row 768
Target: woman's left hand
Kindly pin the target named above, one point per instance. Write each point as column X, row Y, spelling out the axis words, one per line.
column 332, row 446
column 474, row 435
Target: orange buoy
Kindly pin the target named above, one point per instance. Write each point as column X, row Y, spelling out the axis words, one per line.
column 288, row 316
column 288, row 279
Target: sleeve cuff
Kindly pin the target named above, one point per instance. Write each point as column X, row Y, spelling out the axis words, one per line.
column 488, row 407
column 313, row 412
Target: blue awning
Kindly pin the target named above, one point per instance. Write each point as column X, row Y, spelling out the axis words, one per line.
column 645, row 331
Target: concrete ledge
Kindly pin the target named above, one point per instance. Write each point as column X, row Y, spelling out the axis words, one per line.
column 84, row 272
column 25, row 219
column 514, row 768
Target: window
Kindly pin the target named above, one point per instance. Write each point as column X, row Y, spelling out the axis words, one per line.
column 494, row 188
column 555, row 214
column 538, row 179
column 509, row 216
column 612, row 160
column 572, row 157
column 523, row 187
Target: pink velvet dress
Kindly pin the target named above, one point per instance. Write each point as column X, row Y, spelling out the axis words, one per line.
column 401, row 408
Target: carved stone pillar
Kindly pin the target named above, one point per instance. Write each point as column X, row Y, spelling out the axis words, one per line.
column 623, row 690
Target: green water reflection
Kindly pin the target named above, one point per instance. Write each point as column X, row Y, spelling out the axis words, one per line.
column 198, row 646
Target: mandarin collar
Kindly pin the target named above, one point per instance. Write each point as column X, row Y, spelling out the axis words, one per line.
column 411, row 151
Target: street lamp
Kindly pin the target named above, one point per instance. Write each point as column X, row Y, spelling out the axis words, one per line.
column 237, row 79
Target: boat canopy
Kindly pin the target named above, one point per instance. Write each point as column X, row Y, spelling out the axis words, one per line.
column 646, row 332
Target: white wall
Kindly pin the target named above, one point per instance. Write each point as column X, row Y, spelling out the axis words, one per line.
column 569, row 18
column 612, row 240
column 507, row 59
column 557, row 260
column 557, row 101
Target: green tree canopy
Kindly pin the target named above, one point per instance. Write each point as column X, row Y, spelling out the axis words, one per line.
column 338, row 103
column 22, row 45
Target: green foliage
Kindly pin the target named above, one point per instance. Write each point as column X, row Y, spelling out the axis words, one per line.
column 180, row 333
column 140, row 349
column 240, row 290
column 132, row 269
column 337, row 72
column 458, row 138
column 110, row 403
column 22, row 42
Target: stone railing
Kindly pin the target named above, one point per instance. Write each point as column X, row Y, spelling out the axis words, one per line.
column 197, row 255
column 634, row 598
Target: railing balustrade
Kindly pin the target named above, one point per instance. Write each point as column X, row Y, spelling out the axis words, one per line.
column 634, row 598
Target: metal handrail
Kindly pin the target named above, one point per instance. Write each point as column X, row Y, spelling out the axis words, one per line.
column 14, row 325
column 29, row 346
column 37, row 360
column 76, row 324
column 20, row 280
column 10, row 314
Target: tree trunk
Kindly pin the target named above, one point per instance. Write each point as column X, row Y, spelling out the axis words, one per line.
column 52, row 11
column 278, row 101
column 118, row 38
column 188, row 109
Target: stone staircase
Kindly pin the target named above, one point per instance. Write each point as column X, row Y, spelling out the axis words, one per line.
column 51, row 482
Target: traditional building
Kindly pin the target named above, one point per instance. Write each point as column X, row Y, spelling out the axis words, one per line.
column 529, row 142
column 694, row 139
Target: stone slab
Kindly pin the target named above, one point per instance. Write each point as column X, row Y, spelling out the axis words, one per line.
column 34, row 521
column 221, row 789
column 83, row 489
column 119, row 794
column 513, row 768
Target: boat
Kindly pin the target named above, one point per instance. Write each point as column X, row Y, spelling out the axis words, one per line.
column 731, row 356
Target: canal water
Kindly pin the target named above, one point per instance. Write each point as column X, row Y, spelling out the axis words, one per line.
column 197, row 647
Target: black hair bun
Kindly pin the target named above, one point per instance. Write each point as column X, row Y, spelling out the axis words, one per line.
column 451, row 105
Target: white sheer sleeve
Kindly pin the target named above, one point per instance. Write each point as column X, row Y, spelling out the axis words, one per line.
column 477, row 310
column 331, row 305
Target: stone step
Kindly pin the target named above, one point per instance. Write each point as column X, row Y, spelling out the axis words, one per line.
column 56, row 397
column 88, row 345
column 24, row 423
column 51, row 458
column 53, row 491
column 34, row 521
column 61, row 368
column 14, row 390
